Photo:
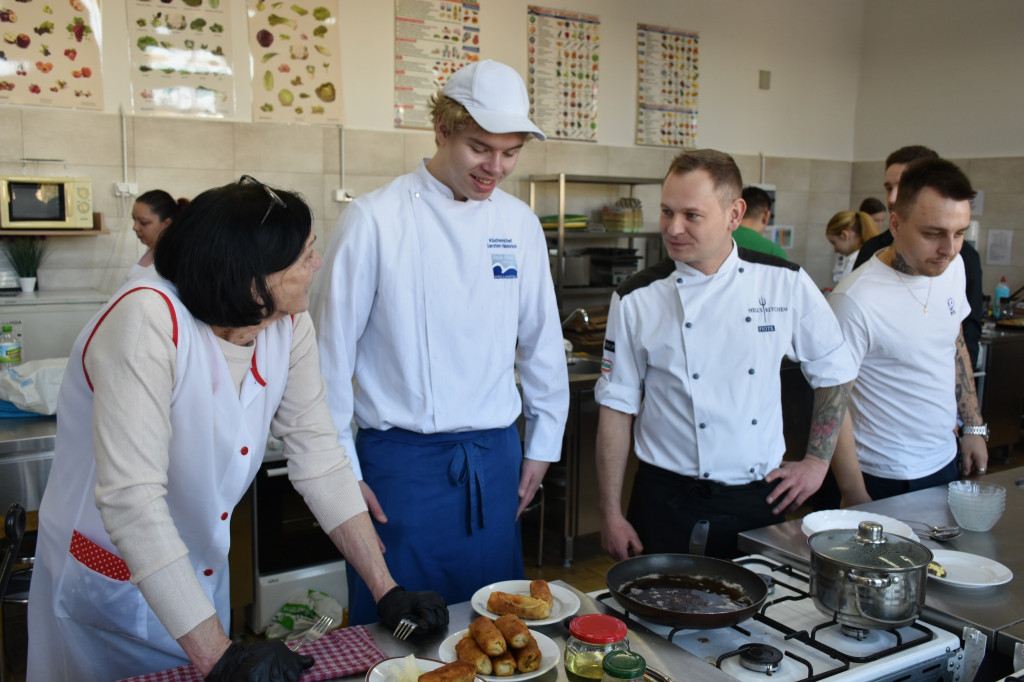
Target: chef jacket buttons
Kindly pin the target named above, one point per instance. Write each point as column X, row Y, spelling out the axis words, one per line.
column 741, row 269
column 751, row 469
column 754, row 422
column 208, row 572
column 244, row 450
column 707, row 474
column 748, row 319
column 679, row 280
column 689, row 324
column 750, row 371
column 696, row 375
column 224, row 516
column 703, row 425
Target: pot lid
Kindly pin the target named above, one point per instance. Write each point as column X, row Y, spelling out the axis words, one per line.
column 870, row 547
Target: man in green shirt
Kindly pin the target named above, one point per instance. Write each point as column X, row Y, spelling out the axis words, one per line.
column 749, row 233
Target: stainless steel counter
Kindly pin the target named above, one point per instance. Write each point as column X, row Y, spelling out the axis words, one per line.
column 26, row 453
column 659, row 653
column 992, row 610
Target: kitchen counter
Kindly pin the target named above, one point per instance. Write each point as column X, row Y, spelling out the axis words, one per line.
column 26, row 453
column 659, row 653
column 992, row 610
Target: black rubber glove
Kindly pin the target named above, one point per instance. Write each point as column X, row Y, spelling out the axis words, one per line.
column 427, row 609
column 269, row 661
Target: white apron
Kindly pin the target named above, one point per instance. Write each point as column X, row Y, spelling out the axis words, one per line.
column 87, row 620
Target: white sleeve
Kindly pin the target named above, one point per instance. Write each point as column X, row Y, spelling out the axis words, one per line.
column 540, row 356
column 853, row 325
column 818, row 342
column 620, row 386
column 342, row 307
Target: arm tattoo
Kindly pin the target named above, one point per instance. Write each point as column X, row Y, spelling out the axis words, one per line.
column 830, row 403
column 899, row 264
column 966, row 397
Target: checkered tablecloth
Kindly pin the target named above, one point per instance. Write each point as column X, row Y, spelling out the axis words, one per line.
column 340, row 653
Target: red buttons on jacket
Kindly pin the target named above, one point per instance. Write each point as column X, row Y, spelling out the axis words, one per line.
column 208, row 571
column 224, row 516
column 244, row 450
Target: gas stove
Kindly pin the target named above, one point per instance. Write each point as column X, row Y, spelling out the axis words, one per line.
column 790, row 640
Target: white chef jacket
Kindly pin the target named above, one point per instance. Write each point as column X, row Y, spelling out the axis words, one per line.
column 431, row 304
column 696, row 357
column 903, row 404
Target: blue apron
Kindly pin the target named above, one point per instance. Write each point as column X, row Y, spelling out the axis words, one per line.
column 451, row 501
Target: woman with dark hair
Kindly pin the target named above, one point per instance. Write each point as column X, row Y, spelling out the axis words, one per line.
column 152, row 213
column 165, row 410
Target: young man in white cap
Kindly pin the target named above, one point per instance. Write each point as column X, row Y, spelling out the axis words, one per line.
column 436, row 290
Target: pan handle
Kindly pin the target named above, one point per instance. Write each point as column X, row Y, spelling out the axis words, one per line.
column 699, row 537
column 868, row 582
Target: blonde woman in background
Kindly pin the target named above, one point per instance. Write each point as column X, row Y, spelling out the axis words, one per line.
column 847, row 231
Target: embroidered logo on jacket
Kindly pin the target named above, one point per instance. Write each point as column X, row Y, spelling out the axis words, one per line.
column 764, row 310
column 952, row 305
column 504, row 265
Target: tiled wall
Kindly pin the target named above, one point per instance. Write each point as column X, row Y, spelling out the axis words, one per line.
column 186, row 157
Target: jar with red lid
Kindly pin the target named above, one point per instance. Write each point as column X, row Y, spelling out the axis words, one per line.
column 590, row 638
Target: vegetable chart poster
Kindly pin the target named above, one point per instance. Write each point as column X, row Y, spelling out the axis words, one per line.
column 666, row 86
column 181, row 58
column 296, row 69
column 50, row 54
column 433, row 40
column 563, row 55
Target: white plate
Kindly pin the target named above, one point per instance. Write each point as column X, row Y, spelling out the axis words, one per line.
column 381, row 672
column 850, row 518
column 969, row 570
column 566, row 602
column 550, row 654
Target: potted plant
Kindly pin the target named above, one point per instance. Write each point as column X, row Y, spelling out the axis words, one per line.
column 25, row 254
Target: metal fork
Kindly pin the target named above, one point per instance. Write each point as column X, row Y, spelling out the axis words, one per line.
column 314, row 633
column 404, row 628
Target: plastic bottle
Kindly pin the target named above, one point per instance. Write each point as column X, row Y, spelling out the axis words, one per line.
column 1002, row 293
column 10, row 349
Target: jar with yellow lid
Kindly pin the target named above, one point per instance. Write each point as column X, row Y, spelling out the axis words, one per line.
column 591, row 637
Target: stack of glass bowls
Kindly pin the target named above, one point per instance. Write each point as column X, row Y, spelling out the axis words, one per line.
column 976, row 505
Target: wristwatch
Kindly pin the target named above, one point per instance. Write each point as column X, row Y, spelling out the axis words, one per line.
column 980, row 430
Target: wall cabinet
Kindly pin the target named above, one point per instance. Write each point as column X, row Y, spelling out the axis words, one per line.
column 559, row 237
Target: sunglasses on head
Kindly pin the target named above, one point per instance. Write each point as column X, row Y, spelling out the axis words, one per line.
column 274, row 199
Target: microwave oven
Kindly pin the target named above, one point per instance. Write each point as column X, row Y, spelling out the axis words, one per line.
column 45, row 203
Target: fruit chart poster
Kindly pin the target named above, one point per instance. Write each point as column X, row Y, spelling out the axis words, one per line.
column 563, row 73
column 180, row 62
column 294, row 49
column 666, row 87
column 50, row 53
column 433, row 40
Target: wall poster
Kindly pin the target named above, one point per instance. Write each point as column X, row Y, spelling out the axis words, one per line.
column 666, row 87
column 180, row 58
column 296, row 68
column 433, row 40
column 50, row 54
column 563, row 73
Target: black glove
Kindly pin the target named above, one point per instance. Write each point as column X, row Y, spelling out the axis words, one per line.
column 269, row 661
column 427, row 609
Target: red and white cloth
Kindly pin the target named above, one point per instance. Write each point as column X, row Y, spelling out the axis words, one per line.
column 344, row 652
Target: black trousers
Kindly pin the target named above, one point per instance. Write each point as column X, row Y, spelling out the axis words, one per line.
column 664, row 507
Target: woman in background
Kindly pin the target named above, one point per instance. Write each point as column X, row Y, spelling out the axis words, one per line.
column 876, row 209
column 847, row 231
column 153, row 212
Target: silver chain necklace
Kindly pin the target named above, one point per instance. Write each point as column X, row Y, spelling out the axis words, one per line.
column 924, row 305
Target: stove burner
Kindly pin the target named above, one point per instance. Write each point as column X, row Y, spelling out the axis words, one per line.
column 760, row 658
column 858, row 634
column 769, row 581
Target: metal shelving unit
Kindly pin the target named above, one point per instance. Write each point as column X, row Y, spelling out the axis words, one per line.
column 560, row 235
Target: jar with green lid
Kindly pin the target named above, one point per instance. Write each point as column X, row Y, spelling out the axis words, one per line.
column 624, row 666
column 591, row 638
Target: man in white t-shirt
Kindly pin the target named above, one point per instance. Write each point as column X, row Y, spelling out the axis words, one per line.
column 901, row 315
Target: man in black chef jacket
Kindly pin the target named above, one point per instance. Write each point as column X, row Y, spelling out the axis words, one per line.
column 691, row 366
column 895, row 164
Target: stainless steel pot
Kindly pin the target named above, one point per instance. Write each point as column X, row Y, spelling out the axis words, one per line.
column 868, row 578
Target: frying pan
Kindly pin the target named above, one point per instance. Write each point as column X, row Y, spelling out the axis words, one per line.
column 750, row 584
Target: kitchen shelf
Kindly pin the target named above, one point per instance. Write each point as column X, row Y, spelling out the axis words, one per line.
column 561, row 235
column 97, row 229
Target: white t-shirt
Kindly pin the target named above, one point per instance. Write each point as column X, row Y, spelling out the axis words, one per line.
column 903, row 404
